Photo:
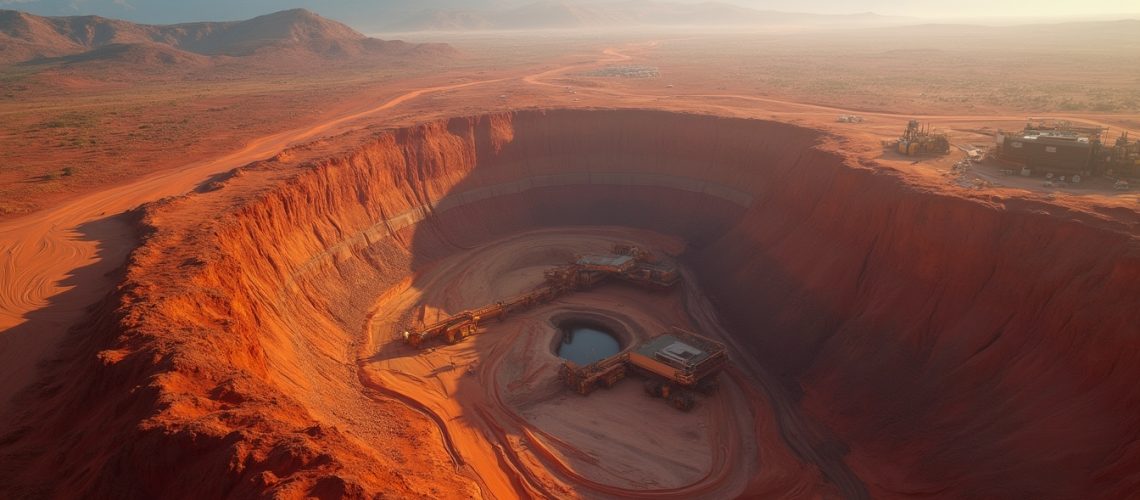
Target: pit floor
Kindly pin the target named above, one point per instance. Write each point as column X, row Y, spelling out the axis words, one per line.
column 498, row 400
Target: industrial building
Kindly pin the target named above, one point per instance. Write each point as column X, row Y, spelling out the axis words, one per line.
column 1062, row 148
column 680, row 356
column 1058, row 148
column 607, row 263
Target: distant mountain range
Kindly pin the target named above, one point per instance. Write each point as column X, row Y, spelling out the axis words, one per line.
column 563, row 14
column 401, row 15
column 293, row 33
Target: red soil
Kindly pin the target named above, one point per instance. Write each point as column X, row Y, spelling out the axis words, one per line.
column 956, row 346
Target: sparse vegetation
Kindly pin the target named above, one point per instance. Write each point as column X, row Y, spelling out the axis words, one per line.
column 74, row 120
column 625, row 71
column 862, row 74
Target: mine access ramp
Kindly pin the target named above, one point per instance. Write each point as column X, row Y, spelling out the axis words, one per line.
column 675, row 364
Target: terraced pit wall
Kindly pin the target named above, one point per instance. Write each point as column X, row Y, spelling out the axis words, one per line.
column 955, row 346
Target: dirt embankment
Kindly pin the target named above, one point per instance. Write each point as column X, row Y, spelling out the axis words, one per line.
column 958, row 347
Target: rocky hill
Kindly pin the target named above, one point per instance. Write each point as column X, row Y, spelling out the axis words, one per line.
column 26, row 37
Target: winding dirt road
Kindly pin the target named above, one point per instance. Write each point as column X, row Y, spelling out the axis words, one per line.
column 56, row 263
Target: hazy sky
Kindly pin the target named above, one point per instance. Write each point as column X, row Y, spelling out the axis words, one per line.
column 167, row 11
column 952, row 8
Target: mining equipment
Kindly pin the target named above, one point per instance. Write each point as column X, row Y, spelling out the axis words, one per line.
column 627, row 263
column 1053, row 147
column 602, row 373
column 849, row 119
column 457, row 327
column 921, row 140
column 1123, row 158
column 675, row 364
column 638, row 254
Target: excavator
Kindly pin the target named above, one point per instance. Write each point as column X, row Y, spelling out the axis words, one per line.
column 453, row 328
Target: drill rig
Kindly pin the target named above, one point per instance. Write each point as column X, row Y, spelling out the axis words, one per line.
column 922, row 140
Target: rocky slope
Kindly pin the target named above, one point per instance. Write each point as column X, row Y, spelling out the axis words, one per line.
column 957, row 346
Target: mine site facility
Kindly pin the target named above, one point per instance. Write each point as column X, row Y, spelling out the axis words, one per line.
column 279, row 258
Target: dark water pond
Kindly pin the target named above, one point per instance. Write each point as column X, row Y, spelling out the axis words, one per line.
column 586, row 344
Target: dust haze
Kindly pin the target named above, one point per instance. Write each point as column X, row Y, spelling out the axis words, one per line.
column 345, row 250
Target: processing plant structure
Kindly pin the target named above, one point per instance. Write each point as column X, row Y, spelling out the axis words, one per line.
column 1051, row 147
column 1059, row 147
column 674, row 364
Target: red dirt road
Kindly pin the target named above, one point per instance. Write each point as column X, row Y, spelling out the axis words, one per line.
column 56, row 262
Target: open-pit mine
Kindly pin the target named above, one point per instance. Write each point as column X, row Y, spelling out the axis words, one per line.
column 272, row 341
column 603, row 290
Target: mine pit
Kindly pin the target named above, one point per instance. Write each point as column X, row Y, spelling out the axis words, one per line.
column 509, row 368
column 540, row 190
column 844, row 299
column 817, row 272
